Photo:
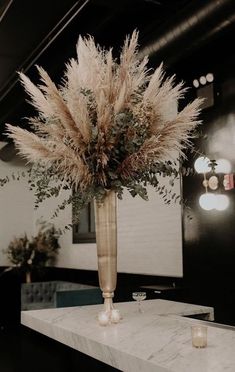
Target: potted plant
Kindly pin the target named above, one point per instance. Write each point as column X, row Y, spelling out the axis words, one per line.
column 36, row 252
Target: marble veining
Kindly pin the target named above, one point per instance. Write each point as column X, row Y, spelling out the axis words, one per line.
column 158, row 340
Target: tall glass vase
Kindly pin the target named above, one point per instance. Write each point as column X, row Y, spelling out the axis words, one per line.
column 106, row 241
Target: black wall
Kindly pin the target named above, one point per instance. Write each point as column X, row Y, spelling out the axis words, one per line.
column 209, row 252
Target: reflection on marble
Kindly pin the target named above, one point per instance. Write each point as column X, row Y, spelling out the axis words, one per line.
column 158, row 340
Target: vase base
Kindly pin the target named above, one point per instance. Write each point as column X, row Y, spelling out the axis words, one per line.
column 112, row 316
column 109, row 314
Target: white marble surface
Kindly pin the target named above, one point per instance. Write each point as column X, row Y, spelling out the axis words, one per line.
column 158, row 340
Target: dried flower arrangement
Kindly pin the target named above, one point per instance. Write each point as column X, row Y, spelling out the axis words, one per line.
column 106, row 127
column 34, row 253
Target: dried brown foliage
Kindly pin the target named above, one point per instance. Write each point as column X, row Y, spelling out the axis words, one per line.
column 109, row 120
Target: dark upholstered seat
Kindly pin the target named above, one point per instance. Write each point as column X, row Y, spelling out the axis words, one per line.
column 43, row 295
column 78, row 297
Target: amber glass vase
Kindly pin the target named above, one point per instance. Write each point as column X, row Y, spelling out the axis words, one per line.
column 106, row 241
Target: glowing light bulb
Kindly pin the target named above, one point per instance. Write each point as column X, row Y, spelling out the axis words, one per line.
column 209, row 77
column 222, row 202
column 201, row 165
column 207, row 201
column 202, row 80
column 196, row 83
column 223, row 166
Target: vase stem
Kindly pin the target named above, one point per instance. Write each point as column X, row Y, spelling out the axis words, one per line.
column 108, row 303
column 106, row 241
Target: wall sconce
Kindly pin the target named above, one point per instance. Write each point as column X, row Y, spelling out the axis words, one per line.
column 203, row 80
column 212, row 198
column 204, row 86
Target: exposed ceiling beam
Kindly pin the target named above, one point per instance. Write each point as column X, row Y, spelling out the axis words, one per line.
column 43, row 46
column 4, row 6
column 192, row 28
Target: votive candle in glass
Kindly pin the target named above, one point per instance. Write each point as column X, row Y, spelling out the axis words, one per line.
column 103, row 318
column 115, row 316
column 199, row 336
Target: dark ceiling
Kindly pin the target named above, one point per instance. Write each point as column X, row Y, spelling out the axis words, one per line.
column 186, row 34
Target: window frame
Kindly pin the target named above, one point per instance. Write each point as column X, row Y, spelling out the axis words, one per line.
column 89, row 236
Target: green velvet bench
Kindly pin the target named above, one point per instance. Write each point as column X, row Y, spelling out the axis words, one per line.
column 78, row 297
column 45, row 295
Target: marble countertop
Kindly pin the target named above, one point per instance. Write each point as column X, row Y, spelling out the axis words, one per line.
column 158, row 340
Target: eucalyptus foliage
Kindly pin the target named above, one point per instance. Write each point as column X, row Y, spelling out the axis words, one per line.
column 107, row 127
